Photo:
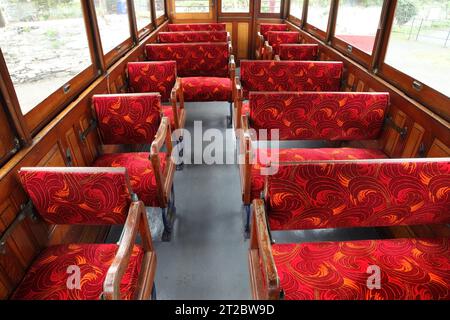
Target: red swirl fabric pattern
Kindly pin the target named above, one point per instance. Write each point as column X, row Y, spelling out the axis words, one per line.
column 264, row 28
column 305, row 52
column 193, row 36
column 48, row 275
column 319, row 115
column 264, row 157
column 71, row 197
column 292, row 76
column 197, row 27
column 152, row 77
column 410, row 269
column 193, row 59
column 359, row 194
column 275, row 38
column 206, row 89
column 140, row 171
column 128, row 118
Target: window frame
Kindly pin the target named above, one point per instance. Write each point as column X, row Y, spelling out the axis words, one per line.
column 355, row 53
column 321, row 34
column 269, row 15
column 144, row 31
column 158, row 20
column 429, row 97
column 236, row 14
column 297, row 20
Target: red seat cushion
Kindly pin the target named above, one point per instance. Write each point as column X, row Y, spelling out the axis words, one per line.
column 140, row 171
column 47, row 277
column 206, row 89
column 168, row 112
column 305, row 154
column 409, row 269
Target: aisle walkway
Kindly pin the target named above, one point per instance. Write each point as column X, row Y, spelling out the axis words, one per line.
column 207, row 257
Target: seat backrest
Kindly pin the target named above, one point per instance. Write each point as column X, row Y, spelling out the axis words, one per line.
column 193, row 59
column 275, row 38
column 197, row 27
column 90, row 196
column 271, row 75
column 264, row 28
column 150, row 76
column 305, row 52
column 130, row 118
column 192, row 36
column 319, row 115
column 359, row 193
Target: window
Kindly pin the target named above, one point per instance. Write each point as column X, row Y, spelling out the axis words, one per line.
column 419, row 43
column 112, row 17
column 296, row 8
column 191, row 6
column 235, row 6
column 143, row 13
column 270, row 6
column 44, row 45
column 357, row 22
column 318, row 11
column 160, row 11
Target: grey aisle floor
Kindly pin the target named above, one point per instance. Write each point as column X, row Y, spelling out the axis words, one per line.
column 207, row 256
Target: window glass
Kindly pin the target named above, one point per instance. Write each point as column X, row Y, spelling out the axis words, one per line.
column 419, row 44
column 235, row 6
column 318, row 11
column 143, row 13
column 296, row 8
column 112, row 17
column 160, row 11
column 357, row 22
column 44, row 44
column 270, row 6
column 190, row 6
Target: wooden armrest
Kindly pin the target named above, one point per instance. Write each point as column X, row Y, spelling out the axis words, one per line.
column 268, row 51
column 232, row 68
column 245, row 142
column 136, row 222
column 259, row 44
column 176, row 95
column 259, row 237
column 238, row 98
column 163, row 179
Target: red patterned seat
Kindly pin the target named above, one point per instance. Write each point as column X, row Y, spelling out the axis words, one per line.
column 197, row 27
column 128, row 118
column 329, row 116
column 264, row 157
column 275, row 39
column 150, row 77
column 47, row 277
column 261, row 36
column 348, row 194
column 285, row 76
column 137, row 119
column 140, row 170
column 207, row 68
column 89, row 196
column 207, row 89
column 305, row 52
column 193, row 36
column 411, row 269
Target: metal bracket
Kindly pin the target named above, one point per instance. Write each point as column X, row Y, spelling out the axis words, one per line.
column 83, row 134
column 422, row 150
column 401, row 131
column 15, row 148
column 69, row 159
column 26, row 209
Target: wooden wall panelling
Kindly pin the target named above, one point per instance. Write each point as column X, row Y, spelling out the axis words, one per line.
column 438, row 149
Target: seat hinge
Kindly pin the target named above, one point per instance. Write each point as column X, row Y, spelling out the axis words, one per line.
column 83, row 134
column 401, row 131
